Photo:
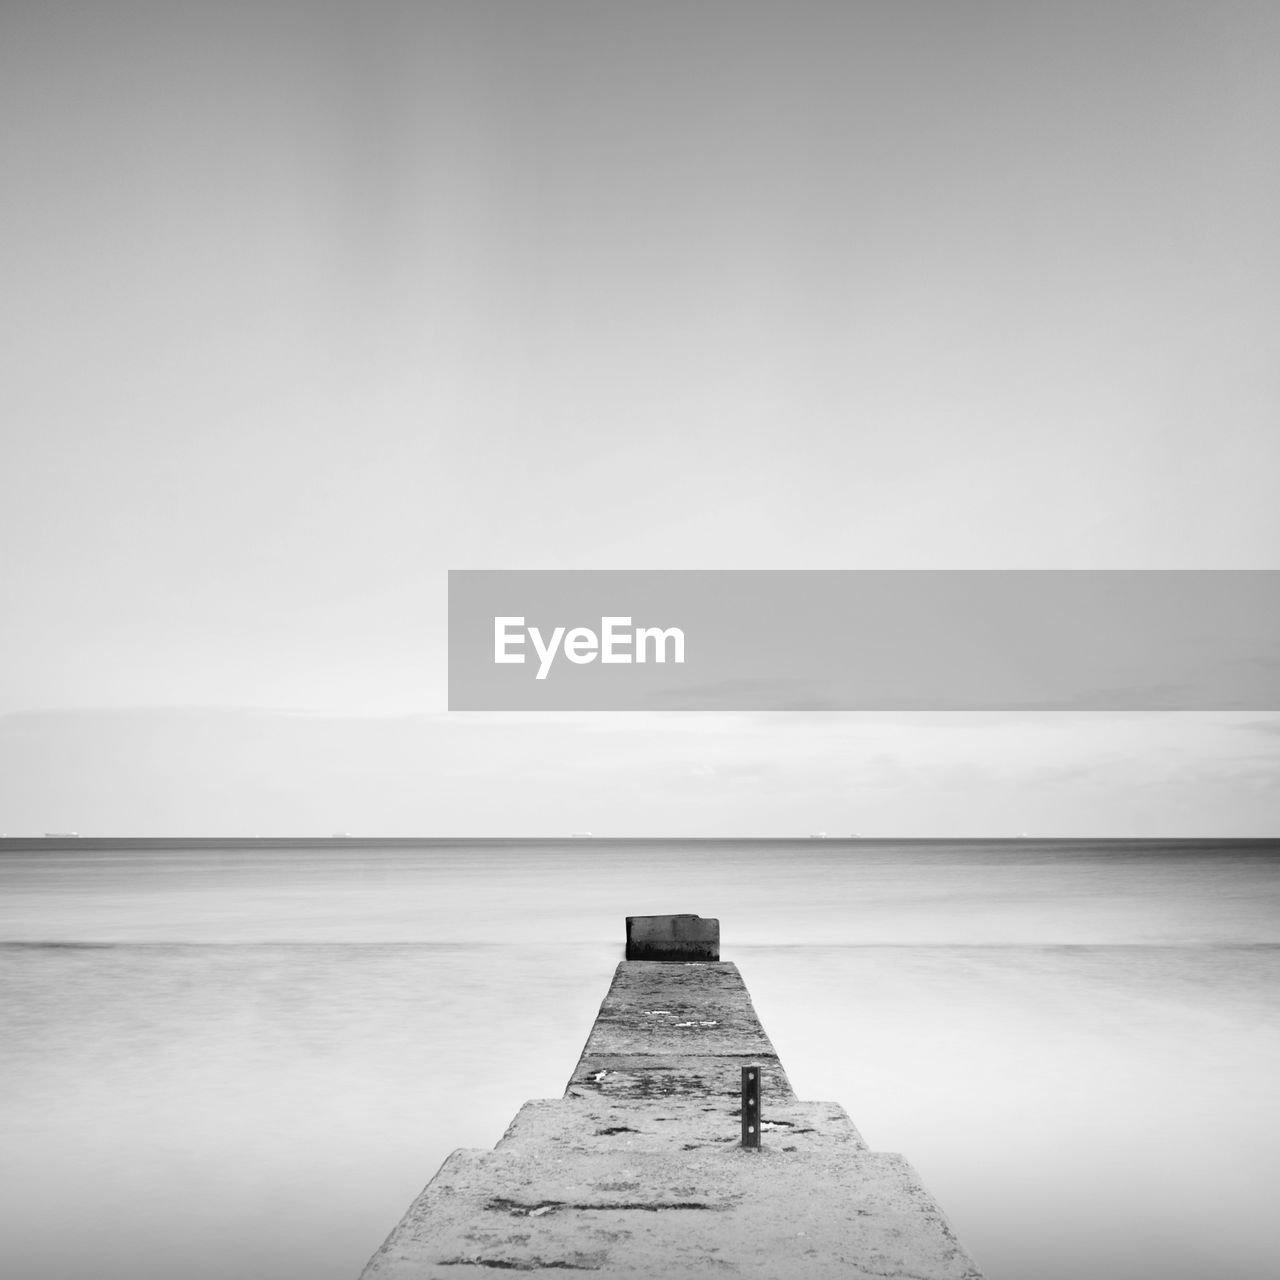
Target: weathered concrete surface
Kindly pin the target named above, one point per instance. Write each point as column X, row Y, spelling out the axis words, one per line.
column 668, row 938
column 637, row 1171
column 676, row 1029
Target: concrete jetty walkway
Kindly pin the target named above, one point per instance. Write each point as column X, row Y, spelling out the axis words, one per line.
column 638, row 1171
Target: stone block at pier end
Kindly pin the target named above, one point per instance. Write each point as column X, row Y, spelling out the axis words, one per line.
column 672, row 938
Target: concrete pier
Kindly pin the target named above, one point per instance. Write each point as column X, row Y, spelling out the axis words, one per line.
column 638, row 1171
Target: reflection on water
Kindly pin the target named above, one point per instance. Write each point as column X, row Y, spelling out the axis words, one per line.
column 264, row 1054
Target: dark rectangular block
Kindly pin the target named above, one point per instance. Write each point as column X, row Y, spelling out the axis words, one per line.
column 683, row 937
column 751, row 1105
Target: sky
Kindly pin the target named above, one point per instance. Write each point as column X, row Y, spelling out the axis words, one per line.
column 305, row 305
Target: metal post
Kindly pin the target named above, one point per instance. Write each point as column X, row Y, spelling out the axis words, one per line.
column 751, row 1106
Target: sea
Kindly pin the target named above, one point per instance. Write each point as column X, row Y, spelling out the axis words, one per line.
column 243, row 1059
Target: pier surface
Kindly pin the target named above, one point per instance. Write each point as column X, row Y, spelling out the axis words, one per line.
column 638, row 1170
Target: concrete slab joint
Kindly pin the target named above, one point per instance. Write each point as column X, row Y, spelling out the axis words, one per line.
column 638, row 1171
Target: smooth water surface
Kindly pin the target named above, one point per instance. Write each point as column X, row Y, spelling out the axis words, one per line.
column 247, row 1060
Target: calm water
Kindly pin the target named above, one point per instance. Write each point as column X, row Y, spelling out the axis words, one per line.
column 246, row 1061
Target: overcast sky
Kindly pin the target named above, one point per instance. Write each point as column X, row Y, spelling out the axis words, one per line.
column 305, row 304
